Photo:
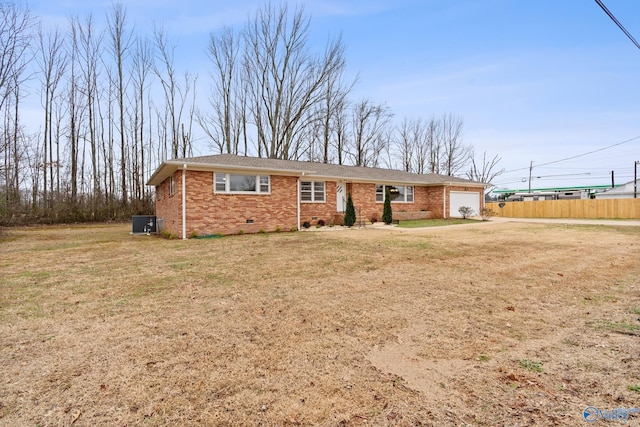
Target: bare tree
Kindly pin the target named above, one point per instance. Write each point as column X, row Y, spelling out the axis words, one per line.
column 341, row 126
column 455, row 154
column 74, row 112
column 107, row 125
column 120, row 44
column 186, row 135
column 58, row 110
column 52, row 62
column 13, row 144
column 385, row 148
column 90, row 54
column 16, row 24
column 438, row 146
column 411, row 142
column 98, row 129
column 335, row 94
column 286, row 81
column 369, row 122
column 226, row 122
column 432, row 149
column 168, row 80
column 405, row 145
column 486, row 170
column 142, row 59
column 33, row 166
column 420, row 158
column 175, row 94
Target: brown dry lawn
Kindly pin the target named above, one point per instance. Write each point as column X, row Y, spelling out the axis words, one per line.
column 484, row 324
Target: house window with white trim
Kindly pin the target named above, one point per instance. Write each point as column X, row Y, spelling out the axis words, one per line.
column 312, row 191
column 237, row 183
column 265, row 184
column 397, row 193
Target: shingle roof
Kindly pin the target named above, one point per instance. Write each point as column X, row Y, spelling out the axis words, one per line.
column 313, row 170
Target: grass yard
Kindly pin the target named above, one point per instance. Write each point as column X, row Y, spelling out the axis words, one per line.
column 421, row 223
column 487, row 324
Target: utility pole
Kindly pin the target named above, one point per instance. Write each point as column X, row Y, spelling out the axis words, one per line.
column 613, row 184
column 530, row 169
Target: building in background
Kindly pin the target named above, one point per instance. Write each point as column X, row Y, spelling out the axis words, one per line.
column 629, row 190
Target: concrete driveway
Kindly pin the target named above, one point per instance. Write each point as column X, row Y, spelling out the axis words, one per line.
column 616, row 222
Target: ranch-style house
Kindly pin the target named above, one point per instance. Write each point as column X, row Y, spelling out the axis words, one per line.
column 229, row 194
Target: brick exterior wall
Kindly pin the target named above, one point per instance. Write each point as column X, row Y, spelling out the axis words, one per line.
column 364, row 200
column 424, row 199
column 211, row 213
column 432, row 198
column 314, row 211
column 169, row 206
column 215, row 213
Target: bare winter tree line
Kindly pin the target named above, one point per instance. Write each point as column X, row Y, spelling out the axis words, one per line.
column 103, row 126
column 272, row 96
column 115, row 105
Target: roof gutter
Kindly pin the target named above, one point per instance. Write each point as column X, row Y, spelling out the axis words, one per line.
column 465, row 184
column 214, row 166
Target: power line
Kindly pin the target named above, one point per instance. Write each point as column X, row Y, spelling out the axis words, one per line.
column 581, row 168
column 577, row 155
column 589, row 152
column 613, row 18
column 635, row 42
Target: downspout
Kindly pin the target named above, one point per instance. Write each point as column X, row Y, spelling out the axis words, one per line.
column 444, row 202
column 184, row 201
column 298, row 200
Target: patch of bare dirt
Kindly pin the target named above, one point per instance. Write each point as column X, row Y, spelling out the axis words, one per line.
column 495, row 324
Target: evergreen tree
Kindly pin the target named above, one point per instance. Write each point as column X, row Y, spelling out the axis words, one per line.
column 387, row 216
column 350, row 213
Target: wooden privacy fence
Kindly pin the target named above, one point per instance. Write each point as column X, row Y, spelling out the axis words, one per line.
column 589, row 208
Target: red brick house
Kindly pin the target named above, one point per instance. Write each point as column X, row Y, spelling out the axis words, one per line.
column 230, row 194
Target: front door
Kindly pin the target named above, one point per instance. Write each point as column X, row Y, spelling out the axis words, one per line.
column 341, row 201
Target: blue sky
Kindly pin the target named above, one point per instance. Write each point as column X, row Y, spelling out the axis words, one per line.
column 533, row 81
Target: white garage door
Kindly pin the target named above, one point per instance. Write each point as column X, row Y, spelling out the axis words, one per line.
column 457, row 199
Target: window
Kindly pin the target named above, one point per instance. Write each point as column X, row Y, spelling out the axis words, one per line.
column 220, row 182
column 312, row 191
column 172, row 185
column 235, row 183
column 380, row 193
column 264, row 184
column 242, row 183
column 397, row 193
